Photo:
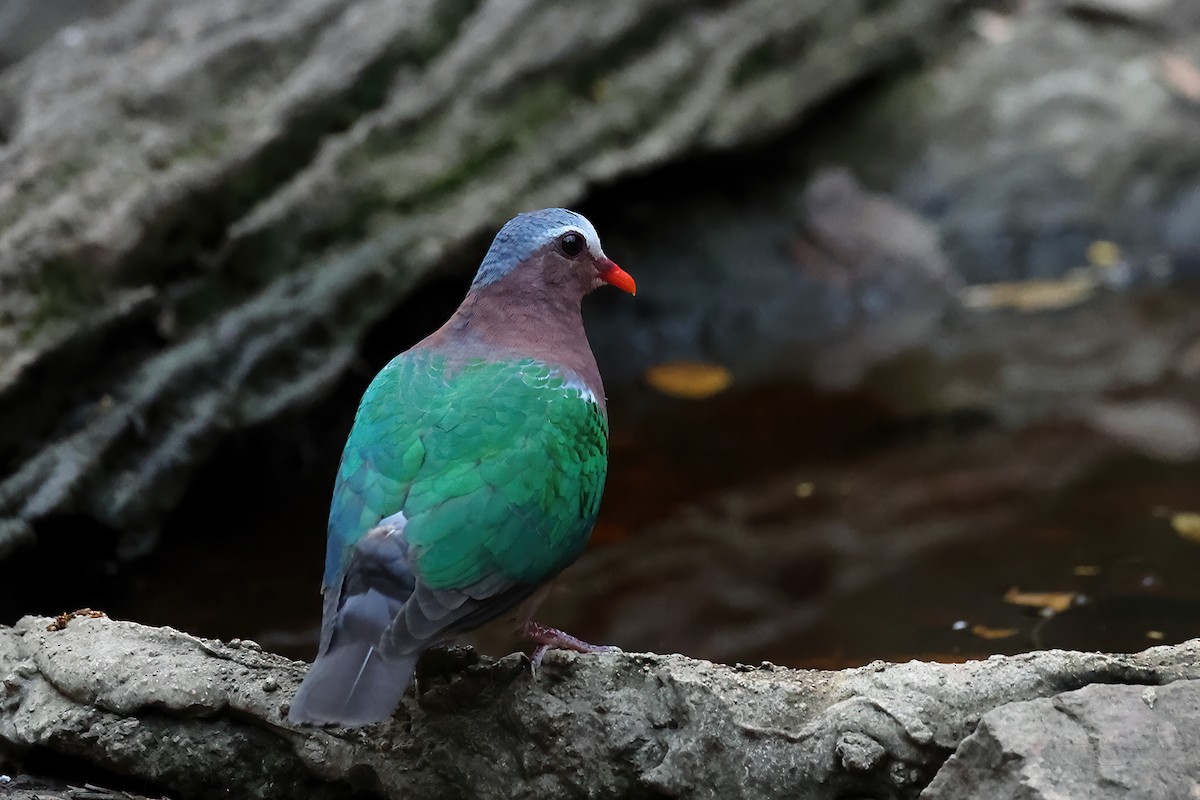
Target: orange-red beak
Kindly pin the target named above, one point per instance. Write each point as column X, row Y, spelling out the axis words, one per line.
column 613, row 275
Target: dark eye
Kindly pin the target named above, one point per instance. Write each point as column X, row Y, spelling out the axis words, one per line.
column 570, row 245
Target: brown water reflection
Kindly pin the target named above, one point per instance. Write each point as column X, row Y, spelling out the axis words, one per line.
column 774, row 523
column 908, row 550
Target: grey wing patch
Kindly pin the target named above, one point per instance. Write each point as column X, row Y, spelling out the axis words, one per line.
column 432, row 615
column 381, row 599
column 379, row 561
column 374, row 587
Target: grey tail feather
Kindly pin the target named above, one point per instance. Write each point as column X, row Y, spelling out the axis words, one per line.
column 351, row 684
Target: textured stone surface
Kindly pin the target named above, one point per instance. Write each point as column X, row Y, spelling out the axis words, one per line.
column 1097, row 742
column 203, row 719
column 1050, row 130
column 25, row 787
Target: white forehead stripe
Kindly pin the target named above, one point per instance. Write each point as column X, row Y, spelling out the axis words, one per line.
column 525, row 234
column 589, row 235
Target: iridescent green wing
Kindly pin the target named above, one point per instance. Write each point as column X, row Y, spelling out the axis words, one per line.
column 497, row 467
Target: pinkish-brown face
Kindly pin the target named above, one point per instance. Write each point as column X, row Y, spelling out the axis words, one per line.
column 573, row 247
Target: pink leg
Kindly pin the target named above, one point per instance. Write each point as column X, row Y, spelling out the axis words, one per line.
column 548, row 638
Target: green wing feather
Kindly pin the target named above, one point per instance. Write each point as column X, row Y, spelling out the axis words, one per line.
column 498, row 468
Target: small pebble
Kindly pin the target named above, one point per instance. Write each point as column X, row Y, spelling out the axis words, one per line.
column 235, row 643
column 859, row 752
column 270, row 685
column 903, row 775
column 767, row 665
column 250, row 644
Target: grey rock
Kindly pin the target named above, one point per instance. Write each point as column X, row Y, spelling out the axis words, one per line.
column 191, row 716
column 1166, row 429
column 1158, row 12
column 1098, row 742
column 25, row 787
column 1027, row 146
column 25, row 24
column 859, row 752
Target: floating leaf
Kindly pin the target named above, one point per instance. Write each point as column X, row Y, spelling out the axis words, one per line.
column 691, row 380
column 1036, row 295
column 1103, row 253
column 1055, row 601
column 1157, row 636
column 984, row 632
column 1187, row 525
column 1086, row 571
column 805, row 490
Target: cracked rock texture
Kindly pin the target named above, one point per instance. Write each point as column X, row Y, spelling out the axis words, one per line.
column 1097, row 742
column 202, row 718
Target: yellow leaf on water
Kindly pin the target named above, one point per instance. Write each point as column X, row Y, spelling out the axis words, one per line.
column 691, row 380
column 1103, row 253
column 805, row 490
column 1157, row 636
column 1086, row 570
column 1055, row 601
column 984, row 632
column 1036, row 295
column 1187, row 525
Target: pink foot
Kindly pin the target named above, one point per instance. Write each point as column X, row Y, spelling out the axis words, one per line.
column 548, row 638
